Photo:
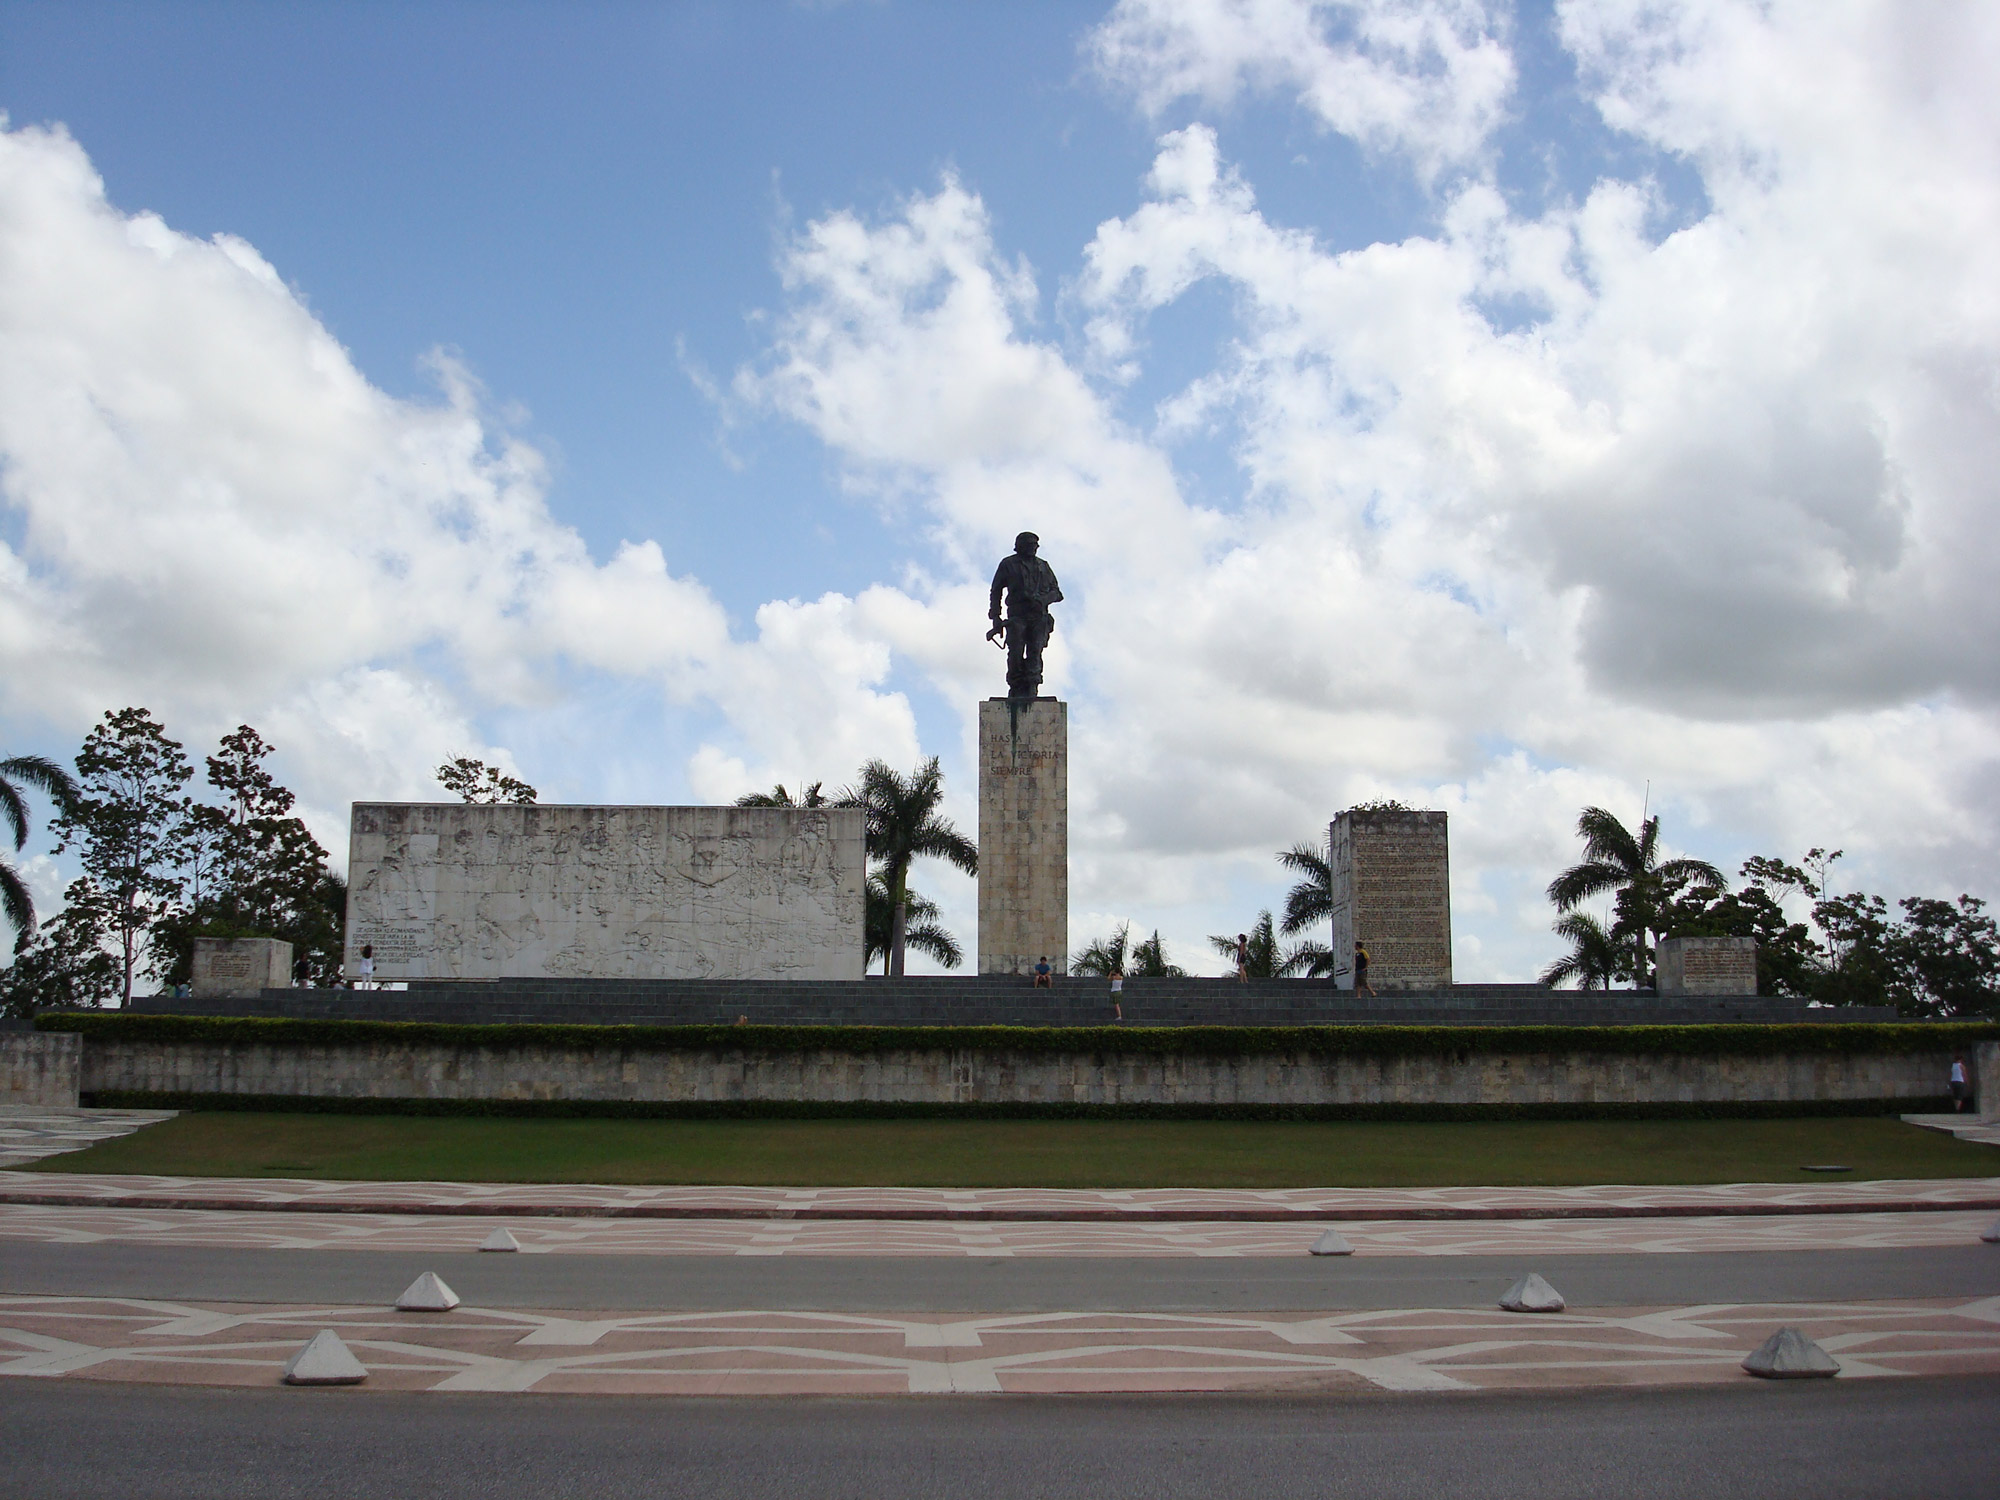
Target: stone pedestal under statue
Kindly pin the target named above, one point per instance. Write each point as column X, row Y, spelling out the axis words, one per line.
column 1392, row 892
column 1023, row 834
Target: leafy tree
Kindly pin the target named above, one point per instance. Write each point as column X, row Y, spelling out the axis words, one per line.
column 129, row 824
column 904, row 825
column 1593, row 958
column 475, row 781
column 65, row 965
column 1105, row 955
column 16, row 772
column 265, row 875
column 922, row 932
column 1149, row 961
column 1630, row 868
column 1944, row 959
column 812, row 796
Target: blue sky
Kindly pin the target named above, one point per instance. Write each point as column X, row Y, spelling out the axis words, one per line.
column 1349, row 465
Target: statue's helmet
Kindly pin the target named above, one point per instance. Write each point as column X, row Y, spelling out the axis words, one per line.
column 1026, row 540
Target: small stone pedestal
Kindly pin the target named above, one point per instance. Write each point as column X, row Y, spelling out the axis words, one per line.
column 240, row 966
column 1023, row 834
column 1392, row 890
column 1707, row 965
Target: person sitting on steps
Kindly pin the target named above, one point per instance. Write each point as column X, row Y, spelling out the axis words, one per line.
column 1042, row 973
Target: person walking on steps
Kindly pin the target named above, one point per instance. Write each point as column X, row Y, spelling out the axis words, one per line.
column 1961, row 1084
column 1242, row 958
column 1118, row 995
column 1361, row 985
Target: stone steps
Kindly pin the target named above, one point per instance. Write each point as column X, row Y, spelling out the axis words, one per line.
column 987, row 1001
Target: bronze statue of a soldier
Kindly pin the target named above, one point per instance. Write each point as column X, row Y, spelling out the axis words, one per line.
column 1030, row 587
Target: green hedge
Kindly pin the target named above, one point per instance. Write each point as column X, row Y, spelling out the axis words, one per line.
column 759, row 1109
column 1186, row 1041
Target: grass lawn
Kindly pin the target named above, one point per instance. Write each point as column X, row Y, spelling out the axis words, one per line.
column 1028, row 1153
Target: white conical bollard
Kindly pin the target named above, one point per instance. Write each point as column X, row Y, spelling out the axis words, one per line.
column 499, row 1239
column 1531, row 1294
column 325, row 1360
column 1789, row 1355
column 1991, row 1233
column 427, row 1294
column 1333, row 1242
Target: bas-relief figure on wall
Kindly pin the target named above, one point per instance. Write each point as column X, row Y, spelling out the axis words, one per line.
column 488, row 891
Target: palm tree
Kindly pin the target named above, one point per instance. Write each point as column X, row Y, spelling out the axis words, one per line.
column 1107, row 955
column 1311, row 900
column 1593, row 956
column 1613, row 860
column 812, row 796
column 904, row 825
column 1149, row 961
column 16, row 772
column 1269, row 959
column 922, row 932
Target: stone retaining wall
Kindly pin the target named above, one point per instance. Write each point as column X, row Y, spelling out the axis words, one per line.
column 395, row 1070
column 39, row 1068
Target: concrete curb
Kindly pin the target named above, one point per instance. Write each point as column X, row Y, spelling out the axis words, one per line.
column 1080, row 1214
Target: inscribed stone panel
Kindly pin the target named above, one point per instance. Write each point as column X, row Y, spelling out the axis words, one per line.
column 463, row 891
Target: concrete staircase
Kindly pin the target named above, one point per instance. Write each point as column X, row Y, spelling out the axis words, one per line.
column 954, row 1000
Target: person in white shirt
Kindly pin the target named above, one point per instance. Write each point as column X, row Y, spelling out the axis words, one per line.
column 1117, row 994
column 364, row 972
column 1961, row 1085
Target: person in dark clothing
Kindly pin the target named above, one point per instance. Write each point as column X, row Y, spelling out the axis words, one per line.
column 1042, row 974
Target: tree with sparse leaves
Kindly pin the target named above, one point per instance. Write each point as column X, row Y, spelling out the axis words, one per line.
column 1149, row 961
column 129, row 826
column 475, row 781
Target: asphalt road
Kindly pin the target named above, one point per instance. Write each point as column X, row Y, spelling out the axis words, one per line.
column 953, row 1284
column 1880, row 1439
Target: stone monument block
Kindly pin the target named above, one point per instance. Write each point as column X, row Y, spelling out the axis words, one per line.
column 1392, row 892
column 1707, row 965
column 502, row 891
column 1023, row 834
column 237, row 966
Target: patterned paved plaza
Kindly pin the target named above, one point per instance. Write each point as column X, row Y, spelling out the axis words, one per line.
column 768, row 1353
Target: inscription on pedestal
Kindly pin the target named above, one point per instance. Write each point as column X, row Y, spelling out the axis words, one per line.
column 239, row 966
column 1023, row 834
column 1392, row 892
column 1707, row 966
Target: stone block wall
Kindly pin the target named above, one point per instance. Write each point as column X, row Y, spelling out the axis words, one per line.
column 401, row 1070
column 40, row 1068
